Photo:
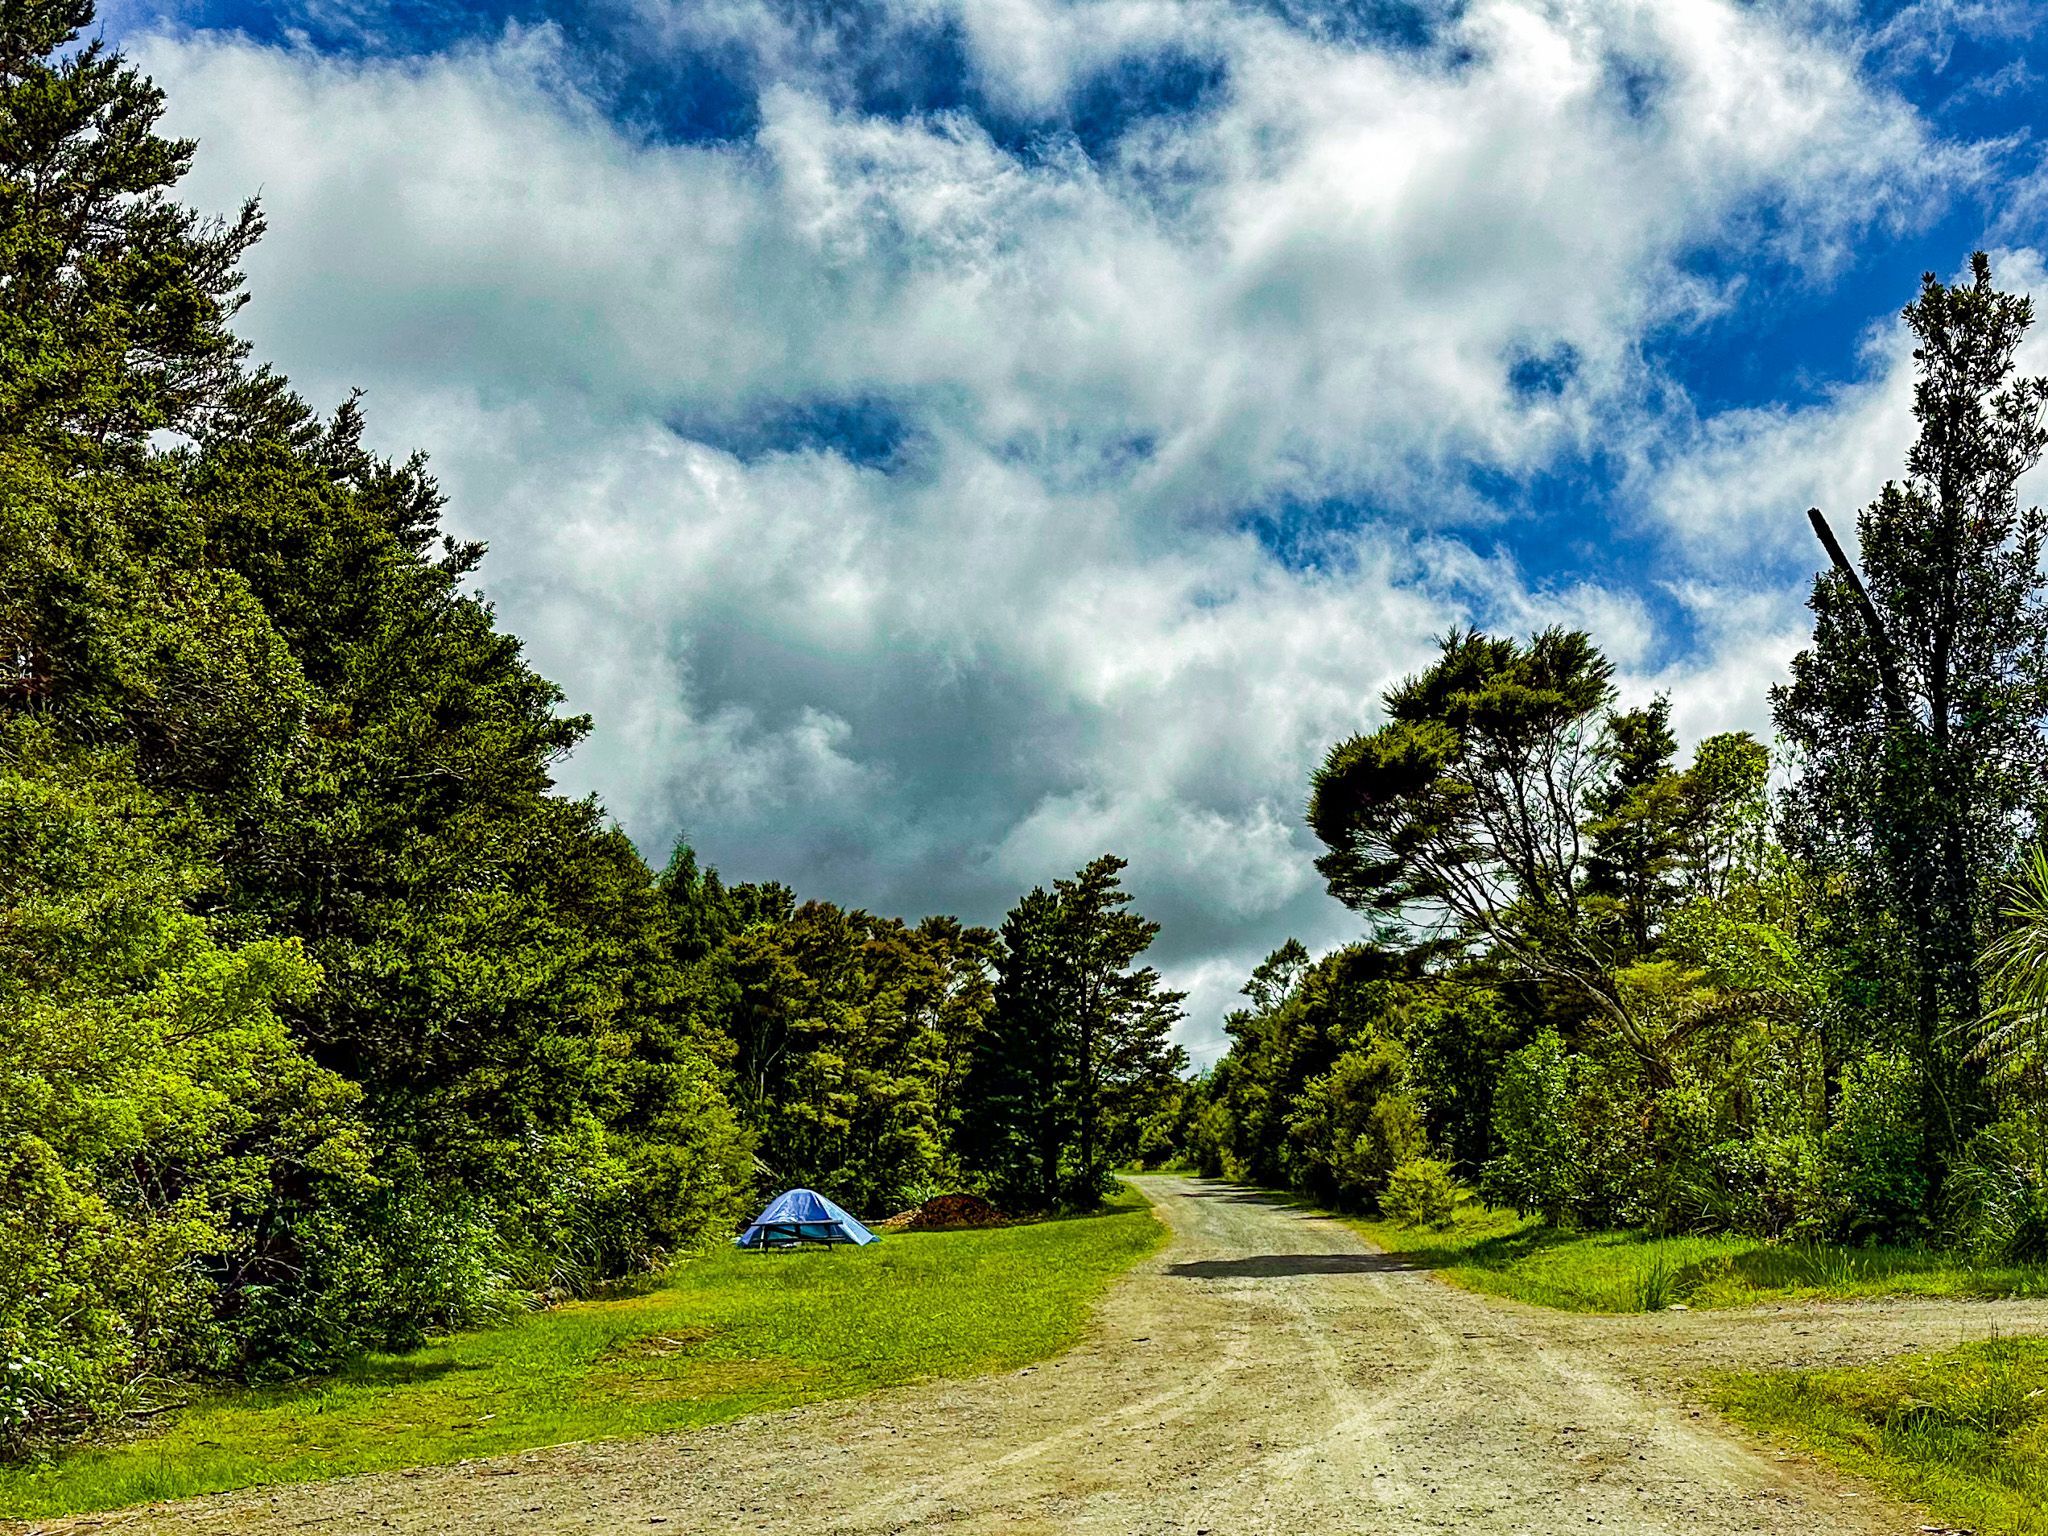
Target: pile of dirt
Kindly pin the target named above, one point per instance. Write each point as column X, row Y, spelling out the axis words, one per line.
column 947, row 1213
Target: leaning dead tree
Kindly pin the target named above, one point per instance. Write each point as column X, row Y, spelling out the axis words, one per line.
column 1880, row 642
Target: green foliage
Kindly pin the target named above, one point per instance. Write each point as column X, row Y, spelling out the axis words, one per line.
column 1451, row 798
column 1540, row 1152
column 851, row 1035
column 1873, row 1148
column 1421, row 1192
column 1998, row 1194
column 2012, row 1037
column 1507, row 806
column 161, row 1129
column 1457, row 1034
column 1772, row 1185
column 323, row 1023
column 1691, row 1024
column 115, row 301
column 1353, row 1126
column 1321, row 1091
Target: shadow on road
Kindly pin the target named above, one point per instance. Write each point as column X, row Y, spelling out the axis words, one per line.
column 1246, row 1194
column 1274, row 1266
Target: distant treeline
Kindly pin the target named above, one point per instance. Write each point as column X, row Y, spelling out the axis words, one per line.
column 1621, row 990
column 324, row 1021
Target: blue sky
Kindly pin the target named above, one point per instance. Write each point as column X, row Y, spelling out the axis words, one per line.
column 939, row 440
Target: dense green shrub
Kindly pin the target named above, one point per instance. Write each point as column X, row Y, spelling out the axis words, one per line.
column 1353, row 1126
column 1421, row 1192
column 1669, row 1189
column 1539, row 1151
column 161, row 1125
column 1209, row 1146
column 1873, row 1148
column 1770, row 1186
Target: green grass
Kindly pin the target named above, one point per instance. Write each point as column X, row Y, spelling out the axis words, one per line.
column 725, row 1335
column 1504, row 1254
column 1964, row 1432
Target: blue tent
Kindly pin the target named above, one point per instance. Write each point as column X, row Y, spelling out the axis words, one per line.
column 802, row 1216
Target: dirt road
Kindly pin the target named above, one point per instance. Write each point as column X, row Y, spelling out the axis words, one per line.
column 1267, row 1372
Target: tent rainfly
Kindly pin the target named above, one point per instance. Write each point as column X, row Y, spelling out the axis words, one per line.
column 802, row 1216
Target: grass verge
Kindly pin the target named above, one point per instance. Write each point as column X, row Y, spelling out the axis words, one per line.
column 1964, row 1432
column 1503, row 1254
column 728, row 1334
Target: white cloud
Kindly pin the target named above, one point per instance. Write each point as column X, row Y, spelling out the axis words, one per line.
column 1039, row 631
column 1738, row 492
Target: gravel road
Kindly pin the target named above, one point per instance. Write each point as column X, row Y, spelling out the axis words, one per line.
column 1268, row 1371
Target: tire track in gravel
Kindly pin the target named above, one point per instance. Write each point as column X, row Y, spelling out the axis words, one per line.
column 1354, row 1438
column 1266, row 1373
column 1176, row 1402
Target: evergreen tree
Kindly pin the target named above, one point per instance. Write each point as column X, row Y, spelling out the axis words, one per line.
column 1466, row 815
column 114, row 299
column 1632, row 837
column 1017, row 1104
column 1077, row 1037
column 1918, row 707
column 324, row 1020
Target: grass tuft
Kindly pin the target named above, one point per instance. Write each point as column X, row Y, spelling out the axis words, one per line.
column 1653, row 1285
column 724, row 1335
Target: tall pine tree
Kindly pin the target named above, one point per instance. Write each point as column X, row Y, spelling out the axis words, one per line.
column 1079, row 1035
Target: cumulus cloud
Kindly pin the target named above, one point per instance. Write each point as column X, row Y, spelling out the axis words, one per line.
column 884, row 481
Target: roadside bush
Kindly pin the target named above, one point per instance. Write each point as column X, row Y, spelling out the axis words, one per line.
column 1421, row 1192
column 688, row 1169
column 1354, row 1126
column 1671, row 1185
column 160, row 1123
column 1538, row 1151
column 1159, row 1138
column 1457, row 1036
column 382, row 1268
column 1872, row 1151
column 1770, row 1186
column 67, row 1348
column 1210, row 1141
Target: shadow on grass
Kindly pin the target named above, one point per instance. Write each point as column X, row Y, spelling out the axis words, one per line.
column 1489, row 1253
column 1828, row 1267
column 1276, row 1266
column 386, row 1372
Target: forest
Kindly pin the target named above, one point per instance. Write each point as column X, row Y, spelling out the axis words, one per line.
column 328, row 1024
column 1791, row 991
column 325, row 1023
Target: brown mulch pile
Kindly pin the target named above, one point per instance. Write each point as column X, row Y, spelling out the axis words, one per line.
column 947, row 1213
